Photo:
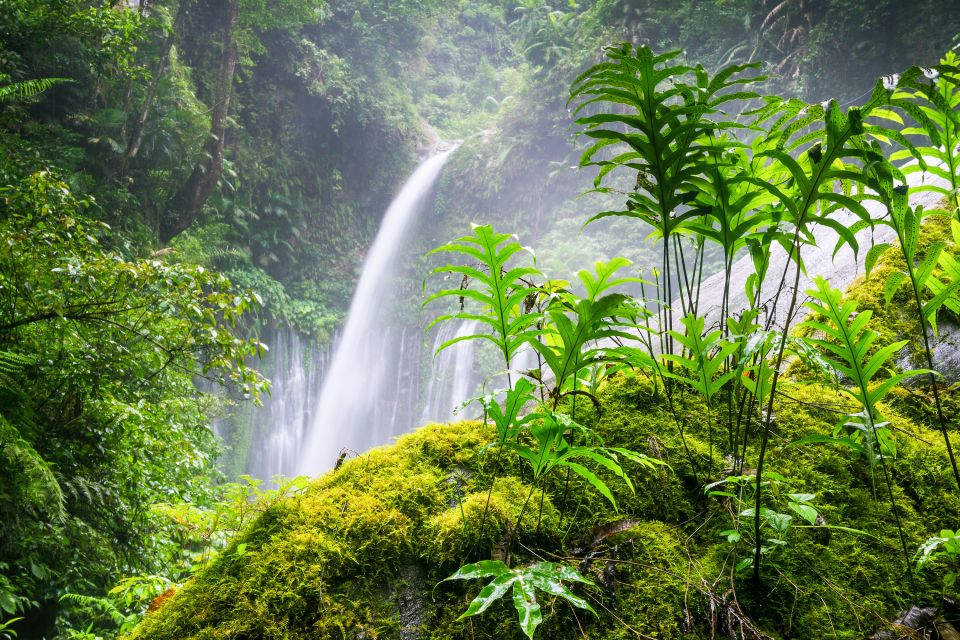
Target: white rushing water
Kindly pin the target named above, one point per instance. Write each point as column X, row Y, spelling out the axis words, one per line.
column 278, row 428
column 452, row 376
column 370, row 390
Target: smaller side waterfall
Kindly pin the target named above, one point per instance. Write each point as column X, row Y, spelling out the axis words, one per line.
column 277, row 429
column 453, row 377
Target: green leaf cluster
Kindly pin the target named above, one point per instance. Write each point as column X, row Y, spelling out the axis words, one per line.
column 547, row 577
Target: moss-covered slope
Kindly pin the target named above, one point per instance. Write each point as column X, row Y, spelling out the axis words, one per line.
column 361, row 554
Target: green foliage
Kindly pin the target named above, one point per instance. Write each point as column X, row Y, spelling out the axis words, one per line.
column 547, row 577
column 672, row 113
column 931, row 96
column 551, row 450
column 5, row 631
column 942, row 280
column 16, row 91
column 775, row 526
column 504, row 293
column 846, row 345
column 545, row 439
column 100, row 417
column 847, row 348
column 707, row 355
column 942, row 549
column 568, row 344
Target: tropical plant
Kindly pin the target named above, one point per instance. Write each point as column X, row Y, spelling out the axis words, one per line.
column 551, row 450
column 931, row 96
column 505, row 295
column 14, row 91
column 99, row 412
column 569, row 344
column 775, row 526
column 906, row 222
column 942, row 549
column 700, row 363
column 667, row 114
column 5, row 631
column 831, row 146
column 848, row 346
column 735, row 213
column 944, row 282
column 547, row 577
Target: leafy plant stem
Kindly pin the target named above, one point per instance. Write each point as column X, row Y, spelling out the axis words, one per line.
column 933, row 381
column 765, row 424
column 871, row 412
column 566, row 482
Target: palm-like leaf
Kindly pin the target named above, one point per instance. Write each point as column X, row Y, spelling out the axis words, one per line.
column 931, row 96
column 25, row 89
column 547, row 577
column 570, row 342
column 663, row 124
column 503, row 294
column 704, row 357
column 846, row 345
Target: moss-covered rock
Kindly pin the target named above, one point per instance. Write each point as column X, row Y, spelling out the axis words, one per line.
column 363, row 552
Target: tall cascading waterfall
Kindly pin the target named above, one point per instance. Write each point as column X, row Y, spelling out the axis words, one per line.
column 371, row 389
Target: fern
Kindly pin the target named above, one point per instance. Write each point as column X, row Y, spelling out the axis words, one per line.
column 666, row 115
column 504, row 294
column 832, row 147
column 11, row 366
column 932, row 98
column 846, row 345
column 39, row 486
column 92, row 605
column 25, row 89
column 906, row 222
column 524, row 582
column 944, row 282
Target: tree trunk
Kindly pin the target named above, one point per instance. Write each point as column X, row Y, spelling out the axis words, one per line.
column 139, row 127
column 186, row 205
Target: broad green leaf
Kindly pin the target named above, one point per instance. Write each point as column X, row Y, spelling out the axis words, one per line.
column 490, row 594
column 528, row 609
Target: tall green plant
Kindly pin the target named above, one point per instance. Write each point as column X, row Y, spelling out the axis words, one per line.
column 931, row 96
column 701, row 365
column 665, row 113
column 847, row 345
column 830, row 144
column 504, row 294
column 906, row 221
column 735, row 212
column 944, row 281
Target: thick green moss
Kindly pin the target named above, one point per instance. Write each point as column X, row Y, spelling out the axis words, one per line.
column 363, row 553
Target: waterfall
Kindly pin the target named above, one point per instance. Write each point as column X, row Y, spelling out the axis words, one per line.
column 452, row 377
column 295, row 368
column 370, row 391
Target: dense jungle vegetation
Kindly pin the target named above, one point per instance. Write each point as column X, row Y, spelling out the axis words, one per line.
column 177, row 176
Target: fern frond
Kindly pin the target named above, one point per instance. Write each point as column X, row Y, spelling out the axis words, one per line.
column 26, row 89
column 503, row 293
column 41, row 487
column 11, row 366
